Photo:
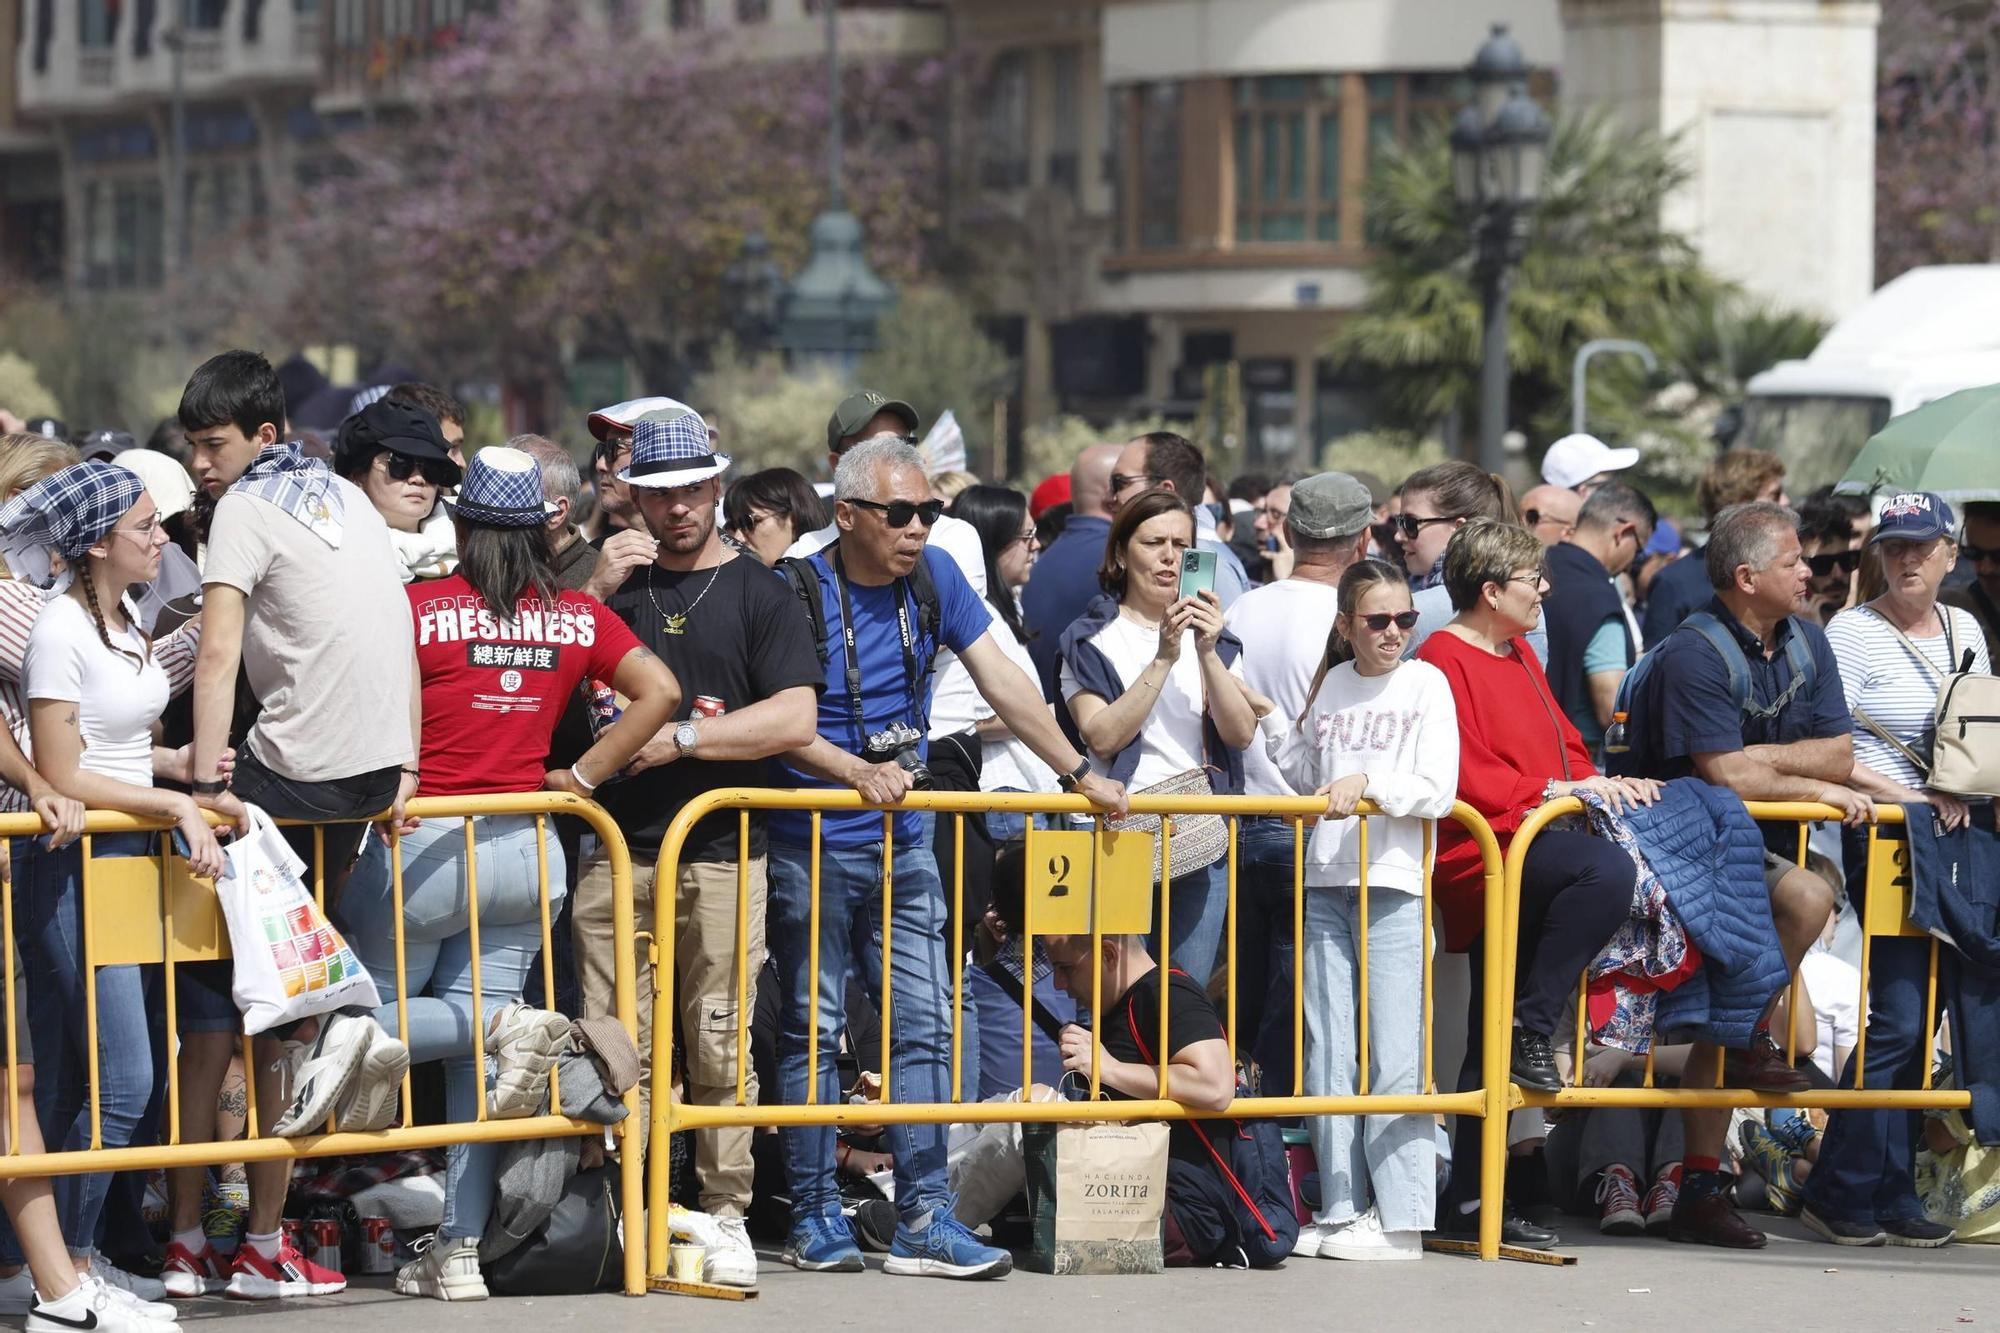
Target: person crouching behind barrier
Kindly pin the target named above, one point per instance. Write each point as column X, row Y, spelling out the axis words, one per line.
column 94, row 688
column 1379, row 728
column 499, row 650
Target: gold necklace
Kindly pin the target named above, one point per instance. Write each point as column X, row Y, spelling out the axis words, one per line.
column 677, row 623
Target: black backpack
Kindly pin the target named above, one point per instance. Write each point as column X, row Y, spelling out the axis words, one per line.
column 798, row 572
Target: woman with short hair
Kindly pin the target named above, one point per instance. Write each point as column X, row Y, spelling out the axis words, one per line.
column 767, row 511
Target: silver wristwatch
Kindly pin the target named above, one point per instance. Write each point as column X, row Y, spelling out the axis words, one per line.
column 686, row 738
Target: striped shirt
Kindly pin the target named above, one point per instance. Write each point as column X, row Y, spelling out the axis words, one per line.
column 1881, row 676
column 20, row 604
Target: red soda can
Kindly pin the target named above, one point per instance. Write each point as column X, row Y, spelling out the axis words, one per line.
column 707, row 705
column 295, row 1234
column 326, row 1243
column 378, row 1245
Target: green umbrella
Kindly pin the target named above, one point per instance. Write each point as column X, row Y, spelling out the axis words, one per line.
column 1950, row 446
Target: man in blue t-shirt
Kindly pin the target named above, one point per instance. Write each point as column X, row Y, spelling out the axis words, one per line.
column 880, row 641
column 1788, row 741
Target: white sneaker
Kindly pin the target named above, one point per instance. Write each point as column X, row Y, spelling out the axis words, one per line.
column 90, row 1306
column 147, row 1289
column 1311, row 1236
column 17, row 1293
column 318, row 1071
column 523, row 1044
column 446, row 1269
column 153, row 1312
column 1364, row 1240
column 375, row 1097
column 731, row 1260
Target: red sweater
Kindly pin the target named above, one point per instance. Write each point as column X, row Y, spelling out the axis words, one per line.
column 1511, row 740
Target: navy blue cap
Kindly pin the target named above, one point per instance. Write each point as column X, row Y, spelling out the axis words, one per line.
column 1915, row 516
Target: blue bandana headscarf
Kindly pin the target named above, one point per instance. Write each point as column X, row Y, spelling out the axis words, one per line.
column 75, row 508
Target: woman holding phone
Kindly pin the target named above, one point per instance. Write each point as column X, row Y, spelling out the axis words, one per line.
column 1153, row 682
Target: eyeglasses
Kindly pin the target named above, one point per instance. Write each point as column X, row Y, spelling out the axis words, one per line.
column 898, row 513
column 437, row 471
column 1120, row 481
column 1027, row 538
column 1534, row 580
column 1410, row 525
column 1378, row 621
column 143, row 531
column 1974, row 554
column 1844, row 561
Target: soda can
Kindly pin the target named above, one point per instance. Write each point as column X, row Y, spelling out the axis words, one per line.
column 326, row 1243
column 378, row 1245
column 295, row 1234
column 707, row 705
column 604, row 709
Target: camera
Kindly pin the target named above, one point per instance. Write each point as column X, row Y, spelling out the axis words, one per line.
column 897, row 743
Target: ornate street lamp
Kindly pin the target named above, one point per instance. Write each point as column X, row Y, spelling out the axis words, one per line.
column 754, row 287
column 834, row 307
column 1499, row 154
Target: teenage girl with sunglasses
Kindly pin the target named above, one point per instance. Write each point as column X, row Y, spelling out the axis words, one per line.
column 1378, row 728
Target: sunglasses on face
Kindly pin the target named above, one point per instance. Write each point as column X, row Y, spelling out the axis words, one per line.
column 1378, row 622
column 1846, row 562
column 1121, row 481
column 1410, row 525
column 898, row 513
column 1974, row 554
column 436, row 471
column 1534, row 517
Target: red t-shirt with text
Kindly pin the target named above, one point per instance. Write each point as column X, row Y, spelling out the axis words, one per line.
column 494, row 690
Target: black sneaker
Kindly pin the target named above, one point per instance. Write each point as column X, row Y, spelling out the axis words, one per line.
column 1534, row 1062
column 1841, row 1232
column 1918, row 1233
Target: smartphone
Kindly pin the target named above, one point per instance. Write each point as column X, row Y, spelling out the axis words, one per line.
column 1197, row 572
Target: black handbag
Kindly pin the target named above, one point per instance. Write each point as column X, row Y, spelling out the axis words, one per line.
column 579, row 1250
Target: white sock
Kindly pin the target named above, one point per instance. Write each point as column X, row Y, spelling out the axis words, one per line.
column 265, row 1245
column 194, row 1238
column 72, row 1298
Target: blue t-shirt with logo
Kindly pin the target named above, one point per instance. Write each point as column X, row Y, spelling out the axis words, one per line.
column 887, row 692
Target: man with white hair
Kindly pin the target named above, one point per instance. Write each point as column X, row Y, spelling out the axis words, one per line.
column 562, row 487
column 883, row 605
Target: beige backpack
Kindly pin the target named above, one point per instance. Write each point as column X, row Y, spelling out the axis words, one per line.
column 1960, row 754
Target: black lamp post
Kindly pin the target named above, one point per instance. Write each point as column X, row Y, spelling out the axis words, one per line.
column 1499, row 149
column 833, row 308
column 755, row 290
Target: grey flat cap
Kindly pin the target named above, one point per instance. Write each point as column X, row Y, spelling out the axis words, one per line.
column 1331, row 504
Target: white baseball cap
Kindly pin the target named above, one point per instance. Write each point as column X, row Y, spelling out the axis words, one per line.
column 1575, row 459
column 166, row 480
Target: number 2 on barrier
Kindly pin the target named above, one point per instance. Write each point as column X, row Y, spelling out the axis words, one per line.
column 1060, row 881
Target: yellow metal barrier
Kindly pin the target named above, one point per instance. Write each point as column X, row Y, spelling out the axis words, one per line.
column 1886, row 914
column 153, row 910
column 1487, row 1101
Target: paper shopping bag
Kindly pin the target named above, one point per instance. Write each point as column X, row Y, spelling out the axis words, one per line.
column 1096, row 1193
column 290, row 962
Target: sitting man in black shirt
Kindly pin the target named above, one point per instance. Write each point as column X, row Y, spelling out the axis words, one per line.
column 1126, row 1044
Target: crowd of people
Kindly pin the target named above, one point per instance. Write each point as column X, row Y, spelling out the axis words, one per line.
column 361, row 624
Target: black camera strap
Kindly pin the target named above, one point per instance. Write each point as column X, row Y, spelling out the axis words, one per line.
column 853, row 673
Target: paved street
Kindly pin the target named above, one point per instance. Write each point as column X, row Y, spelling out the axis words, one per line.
column 1621, row 1287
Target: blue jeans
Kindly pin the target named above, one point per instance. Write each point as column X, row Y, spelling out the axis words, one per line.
column 919, row 1016
column 1264, row 890
column 1866, row 1170
column 1200, row 913
column 48, row 895
column 1389, row 1158
column 437, row 954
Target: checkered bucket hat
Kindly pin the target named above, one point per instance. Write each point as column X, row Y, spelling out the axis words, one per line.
column 503, row 489
column 73, row 509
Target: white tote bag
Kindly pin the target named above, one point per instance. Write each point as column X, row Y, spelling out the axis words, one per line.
column 290, row 962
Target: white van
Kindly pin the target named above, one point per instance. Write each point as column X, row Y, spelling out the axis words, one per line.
column 1931, row 332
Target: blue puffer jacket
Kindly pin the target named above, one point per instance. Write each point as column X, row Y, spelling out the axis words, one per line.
column 1709, row 854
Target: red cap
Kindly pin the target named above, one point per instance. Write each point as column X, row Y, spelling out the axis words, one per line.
column 1052, row 492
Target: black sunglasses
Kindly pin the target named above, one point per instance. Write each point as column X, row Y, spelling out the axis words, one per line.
column 437, row 471
column 1534, row 517
column 898, row 513
column 1120, row 480
column 1410, row 525
column 1974, row 554
column 1844, row 561
column 1378, row 621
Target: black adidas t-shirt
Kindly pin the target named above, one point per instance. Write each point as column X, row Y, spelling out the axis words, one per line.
column 741, row 639
column 1190, row 1018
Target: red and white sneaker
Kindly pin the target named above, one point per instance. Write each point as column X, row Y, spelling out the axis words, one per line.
column 189, row 1275
column 290, row 1274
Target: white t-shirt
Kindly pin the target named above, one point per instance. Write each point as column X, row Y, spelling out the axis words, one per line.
column 327, row 639
column 1170, row 742
column 1401, row 730
column 1881, row 676
column 1009, row 764
column 955, row 701
column 1283, row 627
column 1835, row 987
column 117, row 699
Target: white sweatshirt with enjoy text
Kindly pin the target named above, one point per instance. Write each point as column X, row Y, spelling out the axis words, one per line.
column 1401, row 730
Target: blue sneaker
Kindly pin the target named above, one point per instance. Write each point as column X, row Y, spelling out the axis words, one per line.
column 823, row 1245
column 945, row 1248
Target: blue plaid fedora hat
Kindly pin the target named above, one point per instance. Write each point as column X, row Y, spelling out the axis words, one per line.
column 503, row 489
column 672, row 453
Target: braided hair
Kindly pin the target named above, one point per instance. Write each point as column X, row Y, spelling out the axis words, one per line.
column 103, row 632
